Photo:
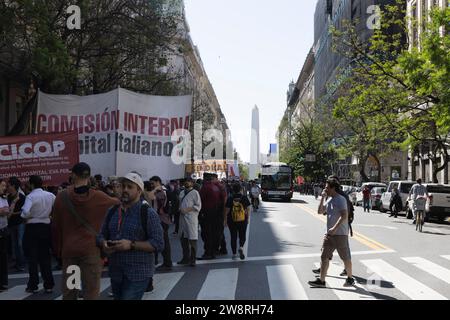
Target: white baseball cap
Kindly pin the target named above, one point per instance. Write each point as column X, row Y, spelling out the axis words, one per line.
column 135, row 178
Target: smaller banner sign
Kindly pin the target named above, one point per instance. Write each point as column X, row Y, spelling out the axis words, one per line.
column 50, row 156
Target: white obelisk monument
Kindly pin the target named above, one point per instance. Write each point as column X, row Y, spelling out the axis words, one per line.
column 255, row 161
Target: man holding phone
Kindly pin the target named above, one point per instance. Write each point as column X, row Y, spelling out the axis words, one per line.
column 334, row 206
column 131, row 247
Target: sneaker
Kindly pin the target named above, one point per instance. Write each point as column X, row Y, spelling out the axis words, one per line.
column 241, row 254
column 414, row 222
column 316, row 271
column 29, row 290
column 343, row 273
column 317, row 283
column 234, row 257
column 349, row 282
column 183, row 262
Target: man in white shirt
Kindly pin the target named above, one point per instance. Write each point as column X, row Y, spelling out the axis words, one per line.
column 37, row 237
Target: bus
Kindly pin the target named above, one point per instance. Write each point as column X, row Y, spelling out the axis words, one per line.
column 277, row 181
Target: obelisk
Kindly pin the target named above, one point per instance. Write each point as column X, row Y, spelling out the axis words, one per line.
column 255, row 164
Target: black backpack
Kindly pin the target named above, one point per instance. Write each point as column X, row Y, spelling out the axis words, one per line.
column 144, row 216
column 351, row 210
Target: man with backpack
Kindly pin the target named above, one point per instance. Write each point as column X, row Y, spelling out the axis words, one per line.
column 190, row 206
column 236, row 218
column 77, row 217
column 351, row 215
column 131, row 234
column 334, row 206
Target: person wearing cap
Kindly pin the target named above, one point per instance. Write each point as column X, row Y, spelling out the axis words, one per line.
column 131, row 247
column 74, row 241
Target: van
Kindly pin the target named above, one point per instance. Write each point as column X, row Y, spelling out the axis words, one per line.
column 403, row 187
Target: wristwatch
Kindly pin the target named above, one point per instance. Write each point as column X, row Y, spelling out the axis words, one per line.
column 133, row 245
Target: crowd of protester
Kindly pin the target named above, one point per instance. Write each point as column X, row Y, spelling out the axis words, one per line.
column 122, row 223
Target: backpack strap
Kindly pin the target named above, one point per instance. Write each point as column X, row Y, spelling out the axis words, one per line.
column 144, row 217
column 108, row 219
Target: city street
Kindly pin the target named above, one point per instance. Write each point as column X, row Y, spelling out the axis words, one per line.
column 391, row 261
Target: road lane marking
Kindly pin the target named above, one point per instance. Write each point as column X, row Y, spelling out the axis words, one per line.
column 356, row 235
column 406, row 284
column 430, row 267
column 220, row 284
column 163, row 283
column 446, row 257
column 105, row 283
column 284, row 283
column 375, row 226
column 15, row 293
column 336, row 283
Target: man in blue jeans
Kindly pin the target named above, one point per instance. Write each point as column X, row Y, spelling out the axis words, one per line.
column 16, row 225
column 130, row 246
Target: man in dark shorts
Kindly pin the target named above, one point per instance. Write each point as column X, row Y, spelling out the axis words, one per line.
column 336, row 238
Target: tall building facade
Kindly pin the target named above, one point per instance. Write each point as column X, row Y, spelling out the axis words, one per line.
column 330, row 67
column 419, row 163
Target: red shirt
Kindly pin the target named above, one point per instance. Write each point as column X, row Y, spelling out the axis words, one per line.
column 366, row 193
column 211, row 196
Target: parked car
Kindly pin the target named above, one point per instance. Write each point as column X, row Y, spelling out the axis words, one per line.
column 438, row 203
column 403, row 187
column 375, row 197
column 371, row 185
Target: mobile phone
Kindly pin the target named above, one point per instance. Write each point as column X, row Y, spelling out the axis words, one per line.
column 110, row 243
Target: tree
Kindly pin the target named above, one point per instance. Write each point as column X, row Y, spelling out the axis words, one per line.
column 398, row 97
column 311, row 136
column 121, row 43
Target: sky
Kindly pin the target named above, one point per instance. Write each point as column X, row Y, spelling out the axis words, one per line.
column 251, row 50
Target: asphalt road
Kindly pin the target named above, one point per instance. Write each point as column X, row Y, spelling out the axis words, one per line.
column 391, row 261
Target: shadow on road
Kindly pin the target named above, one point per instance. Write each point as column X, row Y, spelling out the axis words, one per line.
column 298, row 201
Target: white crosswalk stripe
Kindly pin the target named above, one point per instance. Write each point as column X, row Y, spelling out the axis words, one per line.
column 105, row 283
column 336, row 283
column 15, row 293
column 430, row 267
column 225, row 279
column 163, row 283
column 403, row 282
column 284, row 283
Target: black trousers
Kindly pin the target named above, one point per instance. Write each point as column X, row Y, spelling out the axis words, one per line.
column 37, row 247
column 237, row 228
column 3, row 262
column 213, row 227
column 189, row 249
column 166, row 253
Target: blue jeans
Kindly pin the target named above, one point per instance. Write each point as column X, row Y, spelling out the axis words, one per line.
column 125, row 289
column 16, row 239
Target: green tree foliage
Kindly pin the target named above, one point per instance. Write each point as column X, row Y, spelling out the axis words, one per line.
column 397, row 96
column 121, row 43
